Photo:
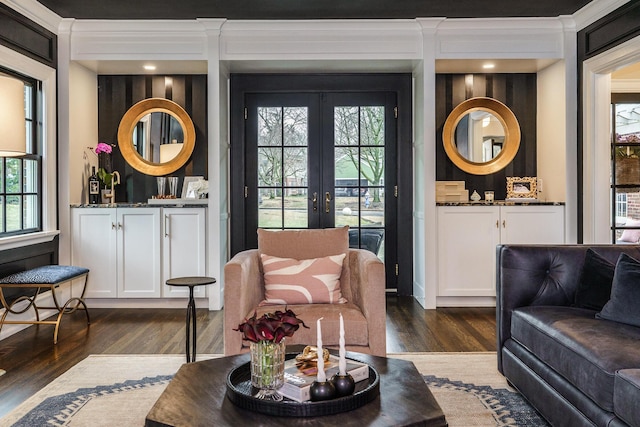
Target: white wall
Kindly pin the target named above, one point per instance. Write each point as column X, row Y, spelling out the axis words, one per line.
column 551, row 131
column 83, row 130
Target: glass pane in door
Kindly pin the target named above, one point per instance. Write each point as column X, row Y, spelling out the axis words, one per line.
column 359, row 159
column 282, row 167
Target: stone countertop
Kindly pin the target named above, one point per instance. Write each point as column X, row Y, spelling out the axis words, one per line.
column 169, row 204
column 502, row 203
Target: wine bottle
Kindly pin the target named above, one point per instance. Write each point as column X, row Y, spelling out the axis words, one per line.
column 94, row 187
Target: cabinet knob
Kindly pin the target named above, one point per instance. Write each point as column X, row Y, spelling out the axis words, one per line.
column 504, row 223
column 497, row 223
column 113, row 225
column 119, row 226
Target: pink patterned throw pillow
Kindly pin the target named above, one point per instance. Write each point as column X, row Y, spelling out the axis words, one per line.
column 306, row 281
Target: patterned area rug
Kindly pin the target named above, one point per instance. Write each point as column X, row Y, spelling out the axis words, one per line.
column 120, row 390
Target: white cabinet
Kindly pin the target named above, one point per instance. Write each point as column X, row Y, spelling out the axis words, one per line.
column 121, row 247
column 93, row 245
column 183, row 248
column 468, row 236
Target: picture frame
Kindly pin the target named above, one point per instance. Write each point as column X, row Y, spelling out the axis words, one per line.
column 190, row 181
column 520, row 188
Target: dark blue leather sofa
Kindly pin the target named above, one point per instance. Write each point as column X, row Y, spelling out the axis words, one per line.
column 575, row 369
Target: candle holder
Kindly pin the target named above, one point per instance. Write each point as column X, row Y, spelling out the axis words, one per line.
column 344, row 384
column 323, row 390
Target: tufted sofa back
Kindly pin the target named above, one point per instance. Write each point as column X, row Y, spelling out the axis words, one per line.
column 541, row 275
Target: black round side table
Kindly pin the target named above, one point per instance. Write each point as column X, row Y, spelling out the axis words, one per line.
column 191, row 282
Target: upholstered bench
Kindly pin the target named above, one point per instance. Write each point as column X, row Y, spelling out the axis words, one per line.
column 33, row 281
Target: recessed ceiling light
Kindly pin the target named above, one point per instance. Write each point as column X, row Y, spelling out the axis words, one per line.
column 488, row 66
column 149, row 67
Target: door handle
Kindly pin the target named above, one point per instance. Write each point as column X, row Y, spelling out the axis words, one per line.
column 166, row 226
column 315, row 201
column 327, row 202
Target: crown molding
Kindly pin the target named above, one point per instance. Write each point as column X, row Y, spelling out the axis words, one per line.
column 36, row 12
column 594, row 11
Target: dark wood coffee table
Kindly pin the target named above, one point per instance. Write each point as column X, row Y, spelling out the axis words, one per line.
column 196, row 396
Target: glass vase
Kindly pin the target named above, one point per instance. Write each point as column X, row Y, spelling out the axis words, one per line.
column 267, row 368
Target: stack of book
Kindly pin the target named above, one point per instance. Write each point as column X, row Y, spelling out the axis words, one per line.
column 297, row 382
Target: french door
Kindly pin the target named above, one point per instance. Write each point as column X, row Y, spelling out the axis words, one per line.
column 321, row 159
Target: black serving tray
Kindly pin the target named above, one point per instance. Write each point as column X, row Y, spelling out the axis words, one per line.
column 240, row 392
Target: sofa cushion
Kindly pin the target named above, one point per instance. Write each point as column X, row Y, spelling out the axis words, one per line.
column 624, row 305
column 307, row 281
column 594, row 287
column 586, row 351
column 355, row 324
column 626, row 395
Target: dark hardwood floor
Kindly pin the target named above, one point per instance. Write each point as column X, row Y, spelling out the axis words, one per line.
column 32, row 360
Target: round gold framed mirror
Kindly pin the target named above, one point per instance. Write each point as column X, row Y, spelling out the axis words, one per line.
column 481, row 136
column 156, row 136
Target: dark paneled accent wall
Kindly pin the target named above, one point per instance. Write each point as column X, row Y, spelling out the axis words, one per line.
column 25, row 258
column 25, row 36
column 516, row 91
column 117, row 93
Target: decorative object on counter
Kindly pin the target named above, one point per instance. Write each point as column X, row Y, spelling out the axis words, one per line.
column 173, row 186
column 104, row 174
column 475, row 196
column 488, row 196
column 267, row 348
column 104, row 150
column 161, row 181
column 519, row 188
column 94, row 187
column 195, row 187
column 185, row 186
column 451, row 191
column 109, row 194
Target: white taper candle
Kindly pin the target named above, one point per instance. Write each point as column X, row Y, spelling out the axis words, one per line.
column 322, row 377
column 342, row 364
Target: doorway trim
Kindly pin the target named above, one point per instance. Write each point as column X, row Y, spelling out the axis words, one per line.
column 596, row 89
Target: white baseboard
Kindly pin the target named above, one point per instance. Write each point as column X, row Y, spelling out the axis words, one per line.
column 466, row 301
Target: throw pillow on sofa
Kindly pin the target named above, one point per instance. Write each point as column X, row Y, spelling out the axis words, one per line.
column 596, row 278
column 624, row 305
column 307, row 281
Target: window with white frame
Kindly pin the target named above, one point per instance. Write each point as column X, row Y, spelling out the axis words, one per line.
column 20, row 177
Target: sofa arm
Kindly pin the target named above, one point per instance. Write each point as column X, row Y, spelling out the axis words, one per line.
column 530, row 275
column 368, row 289
column 243, row 291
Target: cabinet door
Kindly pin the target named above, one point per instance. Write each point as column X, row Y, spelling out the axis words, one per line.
column 183, row 249
column 532, row 225
column 93, row 245
column 467, row 239
column 138, row 252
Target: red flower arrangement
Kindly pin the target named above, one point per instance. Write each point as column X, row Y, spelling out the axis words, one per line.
column 272, row 327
